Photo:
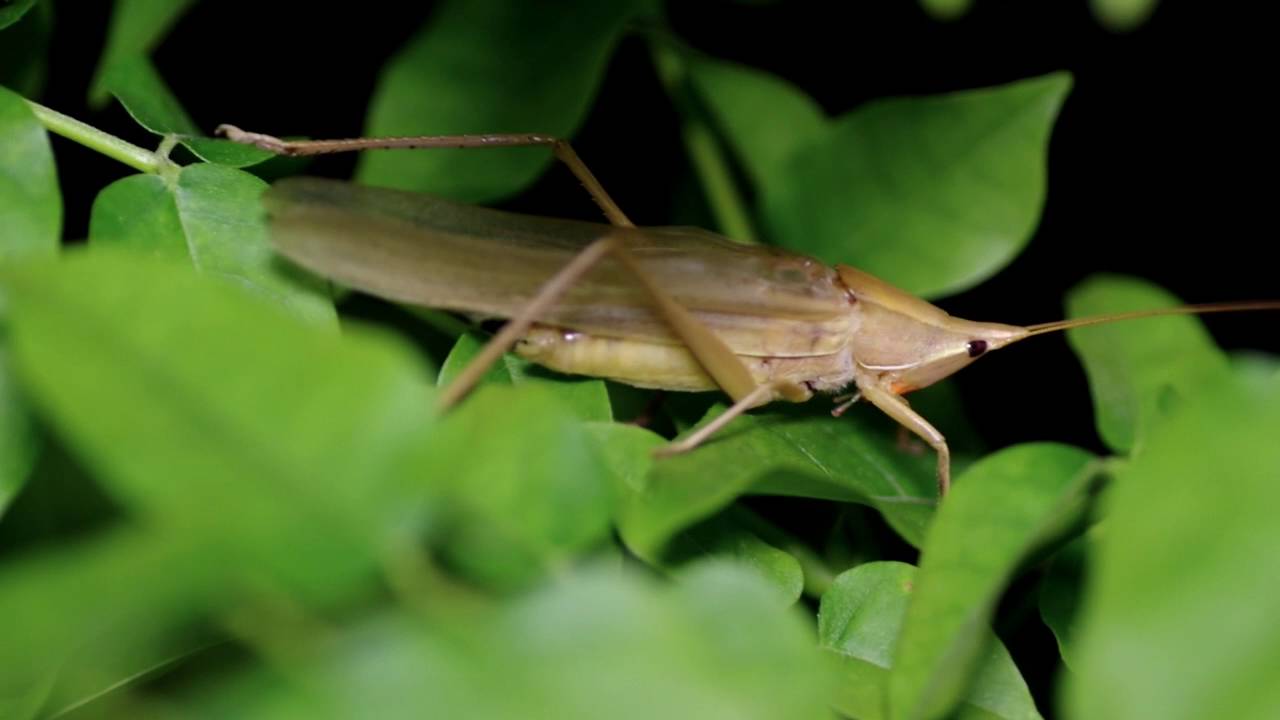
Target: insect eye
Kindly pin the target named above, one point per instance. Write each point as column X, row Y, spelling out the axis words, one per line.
column 976, row 347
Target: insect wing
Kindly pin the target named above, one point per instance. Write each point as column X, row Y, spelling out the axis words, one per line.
column 416, row 249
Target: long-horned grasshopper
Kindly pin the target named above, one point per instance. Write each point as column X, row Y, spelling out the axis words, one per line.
column 666, row 308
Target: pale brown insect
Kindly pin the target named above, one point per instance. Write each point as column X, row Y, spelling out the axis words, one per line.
column 670, row 308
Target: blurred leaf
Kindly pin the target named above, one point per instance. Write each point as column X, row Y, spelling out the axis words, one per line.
column 13, row 11
column 1123, row 15
column 932, row 194
column 24, row 52
column 215, row 416
column 137, row 26
column 135, row 82
column 530, row 487
column 1061, row 591
column 998, row 511
column 19, row 444
column 490, row 66
column 210, row 215
column 588, row 397
column 764, row 118
column 859, row 622
column 1255, row 366
column 92, row 611
column 1179, row 619
column 30, row 201
column 947, row 9
column 789, row 451
column 594, row 644
column 1138, row 369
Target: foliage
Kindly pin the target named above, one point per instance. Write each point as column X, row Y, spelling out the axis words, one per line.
column 222, row 492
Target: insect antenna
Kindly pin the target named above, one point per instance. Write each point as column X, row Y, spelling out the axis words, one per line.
column 1203, row 309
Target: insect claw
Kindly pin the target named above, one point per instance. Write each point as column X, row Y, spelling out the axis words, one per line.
column 846, row 402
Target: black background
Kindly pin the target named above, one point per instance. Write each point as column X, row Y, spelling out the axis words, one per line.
column 1155, row 163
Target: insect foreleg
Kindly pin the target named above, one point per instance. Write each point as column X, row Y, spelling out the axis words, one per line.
column 563, row 152
column 895, row 407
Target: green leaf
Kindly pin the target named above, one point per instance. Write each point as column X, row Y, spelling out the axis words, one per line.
column 490, row 66
column 13, row 11
column 998, row 512
column 135, row 82
column 588, row 397
column 788, row 451
column 859, row 622
column 1061, row 591
column 1179, row 619
column 932, row 194
column 136, row 27
column 30, row 201
column 764, row 118
column 24, row 52
column 529, row 486
column 210, row 215
column 1138, row 369
column 1123, row 15
column 214, row 415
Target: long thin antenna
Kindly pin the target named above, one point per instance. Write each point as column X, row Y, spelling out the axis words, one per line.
column 1183, row 310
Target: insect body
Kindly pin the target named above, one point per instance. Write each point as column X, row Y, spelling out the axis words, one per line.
column 668, row 308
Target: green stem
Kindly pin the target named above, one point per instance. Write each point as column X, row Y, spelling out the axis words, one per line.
column 700, row 141
column 91, row 137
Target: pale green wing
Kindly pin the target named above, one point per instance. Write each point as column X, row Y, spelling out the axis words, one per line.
column 416, row 249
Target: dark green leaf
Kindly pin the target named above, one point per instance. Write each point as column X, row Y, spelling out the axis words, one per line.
column 628, row 452
column 789, row 451
column 139, row 87
column 136, row 27
column 999, row 510
column 1061, row 591
column 859, row 622
column 210, row 215
column 725, row 536
column 1179, row 619
column 490, row 66
column 1138, row 369
column 215, row 415
column 588, row 397
column 13, row 11
column 932, row 194
column 530, row 487
column 30, row 201
column 23, row 54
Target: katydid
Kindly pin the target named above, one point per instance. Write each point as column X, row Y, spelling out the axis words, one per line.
column 670, row 308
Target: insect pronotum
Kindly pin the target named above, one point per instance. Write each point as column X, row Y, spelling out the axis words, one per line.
column 666, row 308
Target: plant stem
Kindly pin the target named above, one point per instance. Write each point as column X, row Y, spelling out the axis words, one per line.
column 91, row 137
column 708, row 158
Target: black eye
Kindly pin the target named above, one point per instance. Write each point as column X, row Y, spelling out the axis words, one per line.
column 976, row 347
